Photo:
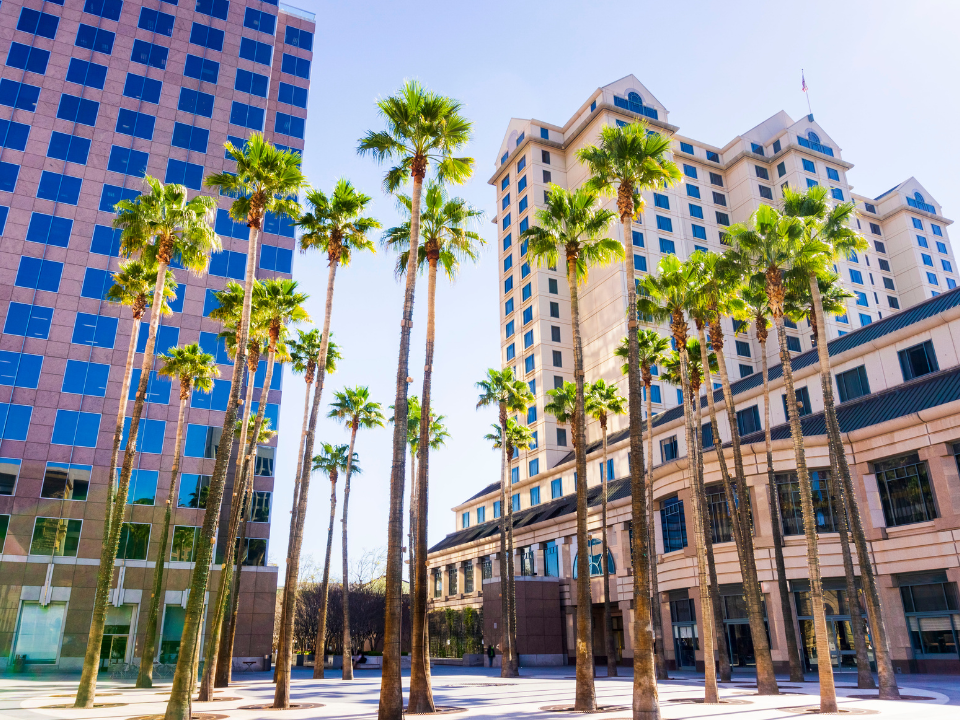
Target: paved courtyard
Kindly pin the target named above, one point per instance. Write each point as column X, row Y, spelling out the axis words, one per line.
column 482, row 694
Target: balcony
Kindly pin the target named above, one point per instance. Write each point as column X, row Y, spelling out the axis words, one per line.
column 825, row 149
column 919, row 205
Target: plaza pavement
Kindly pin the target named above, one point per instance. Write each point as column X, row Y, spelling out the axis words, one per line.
column 483, row 694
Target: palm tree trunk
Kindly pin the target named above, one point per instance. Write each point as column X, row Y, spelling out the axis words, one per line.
column 828, row 696
column 878, row 631
column 696, row 495
column 391, row 689
column 86, row 691
column 660, row 658
column 421, row 693
column 145, row 678
column 738, row 504
column 611, row 647
column 347, row 643
column 506, row 664
column 864, row 675
column 281, row 697
column 773, row 499
column 586, row 695
column 293, row 505
column 723, row 648
column 512, row 588
column 178, row 708
column 320, row 649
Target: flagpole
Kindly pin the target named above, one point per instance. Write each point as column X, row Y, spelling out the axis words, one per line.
column 806, row 91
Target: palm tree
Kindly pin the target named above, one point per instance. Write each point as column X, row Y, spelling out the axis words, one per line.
column 332, row 459
column 423, row 127
column 279, row 305
column 510, row 396
column 573, row 223
column 194, row 369
column 133, row 286
column 634, row 159
column 266, row 180
column 337, row 226
column 830, row 229
column 353, row 407
column 601, row 401
column 446, row 241
column 717, row 295
column 157, row 226
column 666, row 297
column 518, row 437
column 771, row 245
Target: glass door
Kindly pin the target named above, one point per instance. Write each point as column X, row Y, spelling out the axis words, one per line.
column 116, row 635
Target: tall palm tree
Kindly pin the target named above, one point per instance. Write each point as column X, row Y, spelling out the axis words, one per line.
column 422, row 127
column 755, row 302
column 194, row 369
column 572, row 223
column 517, row 437
column 600, row 402
column 830, row 229
column 352, row 407
column 666, row 297
column 332, row 459
column 158, row 226
column 133, row 286
column 509, row 395
column 336, row 225
column 718, row 294
column 634, row 159
column 266, row 180
column 446, row 240
column 651, row 350
column 769, row 246
column 280, row 305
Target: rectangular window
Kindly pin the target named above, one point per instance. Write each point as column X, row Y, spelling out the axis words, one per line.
column 941, row 248
column 202, row 69
column 918, row 360
column 667, row 247
column 723, row 219
column 793, row 343
column 791, row 512
column 947, row 267
column 690, row 171
column 861, row 298
column 20, row 369
column 852, row 384
column 39, row 23
column 528, row 363
column 49, row 230
column 96, row 283
column 836, row 193
column 197, row 103
column 261, row 21
column 59, row 188
column 95, row 39
column 28, row 320
column 9, row 473
column 14, row 421
column 85, row 378
column 127, row 162
column 76, row 428
column 664, row 223
column 905, row 490
column 746, row 370
column 258, row 52
column 640, row 263
column 637, row 238
column 716, row 179
column 696, row 211
column 668, row 449
column 214, row 8
column 720, row 199
column 672, row 525
column 743, row 348
column 765, row 192
column 289, row 125
column 761, row 172
column 693, row 191
column 150, row 54
column 27, row 58
column 184, row 173
column 55, row 537
column 661, row 201
column 86, row 73
column 917, row 223
column 37, row 274
column 557, row 358
column 803, row 402
column 189, row 137
column 856, row 277
column 932, row 278
column 895, row 303
column 296, row 66
column 291, row 94
column 134, row 541
column 156, row 21
column 247, row 116
column 748, row 420
column 298, row 38
column 134, row 123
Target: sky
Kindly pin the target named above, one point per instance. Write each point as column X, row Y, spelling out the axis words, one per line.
column 882, row 82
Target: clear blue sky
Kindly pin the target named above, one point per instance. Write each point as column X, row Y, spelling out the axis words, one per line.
column 883, row 84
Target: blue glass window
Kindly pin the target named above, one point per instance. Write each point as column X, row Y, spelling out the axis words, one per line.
column 109, row 9
column 256, row 84
column 693, row 191
column 167, row 337
column 258, row 52
column 156, row 21
column 526, row 292
column 149, row 435
column 49, row 229
column 690, row 171
column 661, row 201
column 524, row 224
column 95, row 39
column 932, row 278
column 699, row 232
column 82, row 72
column 637, row 238
column 112, row 194
column 298, row 38
column 68, row 147
column 38, row 23
column 20, row 369
column 214, row 8
column 76, row 428
column 38, row 274
column 258, row 20
column 216, row 400
column 229, row 264
column 941, row 247
column 190, row 137
column 247, row 116
column 206, row 36
column 856, row 276
column 14, row 421
column 216, row 346
column 28, row 320
column 836, row 193
column 664, row 223
column 511, row 351
column 917, row 223
column 508, row 284
column 226, row 226
column 150, row 54
column 85, row 378
column 832, row 174
column 508, row 262
column 19, row 95
column 861, row 298
column 142, row 88
column 672, row 525
column 96, row 330
column 927, row 260
column 105, row 241
column 524, row 270
column 201, row 69
column 272, row 413
column 289, row 125
column 639, row 263
column 281, row 225
column 276, row 259
column 667, row 247
column 184, row 173
column 59, row 188
column 158, row 388
column 27, row 58
column 130, row 122
column 696, row 211
column 528, row 363
column 521, row 184
column 128, row 162
column 198, row 103
column 276, row 383
column 201, row 441
column 96, row 283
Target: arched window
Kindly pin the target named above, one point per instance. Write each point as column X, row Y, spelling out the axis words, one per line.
column 918, row 197
column 813, row 137
column 512, row 140
column 635, row 98
column 596, row 569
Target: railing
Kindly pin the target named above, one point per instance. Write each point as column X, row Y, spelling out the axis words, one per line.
column 921, row 205
column 825, row 149
column 291, row 10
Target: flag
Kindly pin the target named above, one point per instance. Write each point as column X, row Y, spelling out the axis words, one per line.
column 803, row 82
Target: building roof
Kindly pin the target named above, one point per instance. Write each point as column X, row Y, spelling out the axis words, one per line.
column 912, row 397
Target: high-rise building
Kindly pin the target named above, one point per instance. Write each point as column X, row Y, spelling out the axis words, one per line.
column 94, row 95
column 895, row 365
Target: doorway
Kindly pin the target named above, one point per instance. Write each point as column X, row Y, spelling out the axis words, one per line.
column 116, row 635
